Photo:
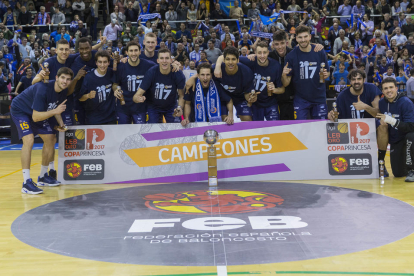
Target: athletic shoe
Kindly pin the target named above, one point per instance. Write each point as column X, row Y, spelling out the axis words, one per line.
column 46, row 180
column 53, row 174
column 410, row 176
column 31, row 188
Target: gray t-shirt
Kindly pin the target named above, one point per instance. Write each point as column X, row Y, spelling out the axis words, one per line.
column 410, row 87
column 213, row 55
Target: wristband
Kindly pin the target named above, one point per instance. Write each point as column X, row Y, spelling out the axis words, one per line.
column 178, row 106
column 390, row 120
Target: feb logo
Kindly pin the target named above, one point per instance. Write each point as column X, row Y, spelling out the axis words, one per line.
column 73, row 169
column 339, row 164
column 202, row 202
column 359, row 132
column 94, row 139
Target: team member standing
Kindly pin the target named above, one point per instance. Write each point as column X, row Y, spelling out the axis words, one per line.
column 302, row 67
column 96, row 92
column 397, row 112
column 206, row 99
column 37, row 110
column 129, row 76
column 263, row 68
column 162, row 85
column 149, row 53
column 361, row 101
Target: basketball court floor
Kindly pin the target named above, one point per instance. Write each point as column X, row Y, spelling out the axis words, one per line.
column 341, row 227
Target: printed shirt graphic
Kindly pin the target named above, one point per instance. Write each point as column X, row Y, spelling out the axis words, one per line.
column 238, row 84
column 40, row 97
column 345, row 102
column 402, row 109
column 130, row 78
column 273, row 70
column 305, row 74
column 100, row 109
column 161, row 90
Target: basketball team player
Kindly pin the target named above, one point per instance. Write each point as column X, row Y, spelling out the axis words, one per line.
column 37, row 111
column 203, row 104
column 267, row 73
column 96, row 95
column 129, row 76
column 359, row 101
column 161, row 86
column 149, row 53
column 302, row 67
column 237, row 81
column 397, row 113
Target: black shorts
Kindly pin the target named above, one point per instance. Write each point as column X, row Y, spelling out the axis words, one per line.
column 401, row 154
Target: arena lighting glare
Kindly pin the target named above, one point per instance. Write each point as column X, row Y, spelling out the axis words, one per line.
column 211, row 137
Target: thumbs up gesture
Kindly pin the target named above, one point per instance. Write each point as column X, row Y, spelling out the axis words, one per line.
column 286, row 69
column 359, row 105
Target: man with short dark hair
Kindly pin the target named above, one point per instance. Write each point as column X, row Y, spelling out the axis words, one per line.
column 212, row 52
column 203, row 104
column 96, row 93
column 161, row 86
column 397, row 112
column 303, row 65
column 37, row 111
column 129, row 77
column 359, row 101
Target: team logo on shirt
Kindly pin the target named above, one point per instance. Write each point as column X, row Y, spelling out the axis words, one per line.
column 225, row 202
column 231, row 89
column 259, row 82
column 52, row 106
column 337, row 133
column 350, row 164
column 307, row 69
column 359, row 132
column 162, row 91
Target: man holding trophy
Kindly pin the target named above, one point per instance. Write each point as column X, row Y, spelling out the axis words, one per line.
column 203, row 104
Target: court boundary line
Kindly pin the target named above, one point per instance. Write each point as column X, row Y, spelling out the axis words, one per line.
column 293, row 272
column 17, row 171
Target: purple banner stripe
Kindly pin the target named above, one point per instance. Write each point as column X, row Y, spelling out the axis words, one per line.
column 274, row 168
column 219, row 128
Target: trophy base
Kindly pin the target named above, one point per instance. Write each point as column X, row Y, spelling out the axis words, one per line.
column 212, row 182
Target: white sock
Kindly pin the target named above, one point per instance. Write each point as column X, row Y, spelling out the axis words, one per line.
column 26, row 174
column 43, row 170
column 52, row 165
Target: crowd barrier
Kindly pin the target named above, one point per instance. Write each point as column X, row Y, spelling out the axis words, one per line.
column 246, row 151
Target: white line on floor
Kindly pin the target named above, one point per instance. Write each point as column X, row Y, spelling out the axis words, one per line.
column 222, row 270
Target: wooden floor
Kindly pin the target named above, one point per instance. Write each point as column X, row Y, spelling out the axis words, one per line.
column 17, row 258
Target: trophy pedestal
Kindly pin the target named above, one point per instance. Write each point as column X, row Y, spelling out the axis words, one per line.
column 212, row 167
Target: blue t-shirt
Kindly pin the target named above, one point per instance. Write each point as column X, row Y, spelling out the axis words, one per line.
column 161, row 90
column 337, row 65
column 190, row 98
column 130, row 78
column 346, row 99
column 305, row 74
column 54, row 67
column 401, row 109
column 40, row 97
column 341, row 77
column 78, row 64
column 153, row 59
column 101, row 109
column 401, row 88
column 273, row 70
column 26, row 82
column 238, row 84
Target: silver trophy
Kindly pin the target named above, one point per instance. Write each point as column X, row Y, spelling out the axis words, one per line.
column 211, row 137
